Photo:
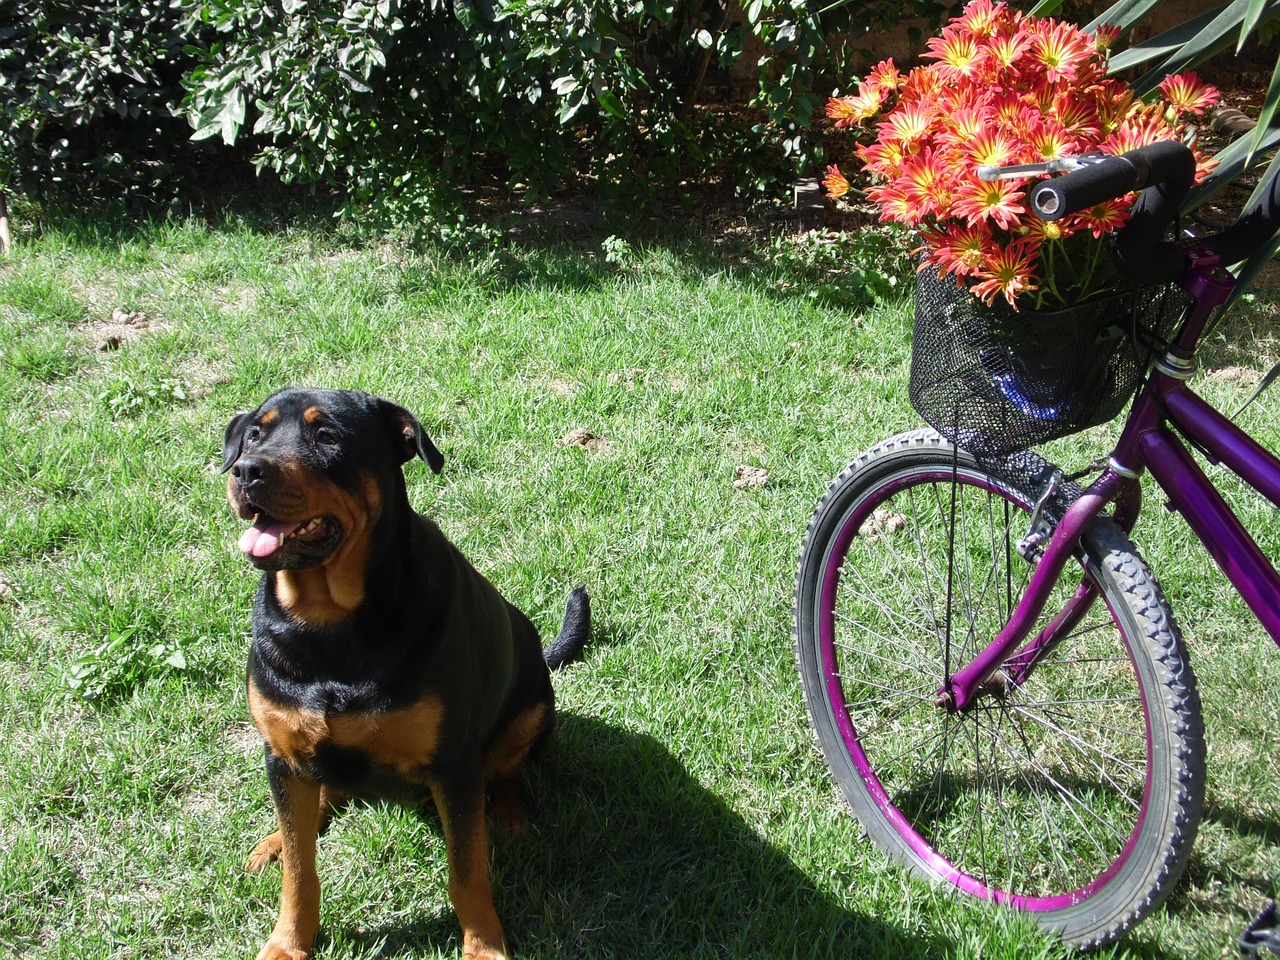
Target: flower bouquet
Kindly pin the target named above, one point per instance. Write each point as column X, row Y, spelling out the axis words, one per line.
column 1024, row 330
column 1006, row 88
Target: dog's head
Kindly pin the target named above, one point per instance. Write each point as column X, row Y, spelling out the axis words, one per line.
column 311, row 468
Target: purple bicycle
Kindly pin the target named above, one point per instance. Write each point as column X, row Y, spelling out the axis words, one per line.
column 996, row 680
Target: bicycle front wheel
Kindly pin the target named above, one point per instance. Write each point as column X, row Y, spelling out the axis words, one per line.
column 1072, row 794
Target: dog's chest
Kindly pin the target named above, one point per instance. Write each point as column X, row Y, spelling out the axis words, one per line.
column 397, row 743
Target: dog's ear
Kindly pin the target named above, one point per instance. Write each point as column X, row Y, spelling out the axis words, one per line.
column 231, row 439
column 409, row 437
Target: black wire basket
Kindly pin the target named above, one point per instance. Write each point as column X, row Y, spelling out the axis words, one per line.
column 994, row 380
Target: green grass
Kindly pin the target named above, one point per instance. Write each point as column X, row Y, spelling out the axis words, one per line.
column 683, row 810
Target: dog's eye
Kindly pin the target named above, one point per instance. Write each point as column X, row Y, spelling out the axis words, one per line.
column 326, row 437
column 253, row 434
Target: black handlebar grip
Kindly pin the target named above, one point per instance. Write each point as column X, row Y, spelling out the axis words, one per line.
column 1083, row 188
column 1139, row 252
column 1167, row 161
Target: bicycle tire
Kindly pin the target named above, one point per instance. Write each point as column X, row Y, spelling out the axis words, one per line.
column 1074, row 796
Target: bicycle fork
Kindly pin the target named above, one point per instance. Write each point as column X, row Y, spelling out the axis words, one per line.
column 997, row 664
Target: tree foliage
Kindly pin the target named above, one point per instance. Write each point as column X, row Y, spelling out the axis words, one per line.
column 400, row 102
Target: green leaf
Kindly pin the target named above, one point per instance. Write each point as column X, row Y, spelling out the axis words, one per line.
column 1267, row 117
column 612, row 105
column 1123, row 14
column 1252, row 17
column 1166, row 43
column 1265, row 196
column 1211, row 40
column 1045, row 8
column 1233, row 160
column 563, row 86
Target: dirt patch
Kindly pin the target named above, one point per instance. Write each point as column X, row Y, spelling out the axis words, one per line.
column 113, row 332
column 748, row 476
column 584, row 439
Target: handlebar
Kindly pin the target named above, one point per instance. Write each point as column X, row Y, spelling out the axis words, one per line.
column 1164, row 172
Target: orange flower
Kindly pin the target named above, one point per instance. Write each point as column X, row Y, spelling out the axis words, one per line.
column 963, row 125
column 1049, row 141
column 991, row 148
column 1106, row 217
column 908, row 125
column 849, row 110
column 921, row 85
column 883, row 158
column 884, row 77
column 1043, row 230
column 962, row 249
column 894, row 204
column 1008, row 272
column 1003, row 52
column 925, row 185
column 835, row 182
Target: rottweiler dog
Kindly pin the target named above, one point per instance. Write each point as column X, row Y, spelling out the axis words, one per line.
column 383, row 664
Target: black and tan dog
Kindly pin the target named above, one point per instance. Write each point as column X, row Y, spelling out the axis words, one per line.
column 383, row 664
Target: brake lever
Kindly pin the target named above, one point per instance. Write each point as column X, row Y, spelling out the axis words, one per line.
column 1056, row 165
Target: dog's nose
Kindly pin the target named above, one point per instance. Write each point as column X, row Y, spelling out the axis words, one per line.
column 249, row 470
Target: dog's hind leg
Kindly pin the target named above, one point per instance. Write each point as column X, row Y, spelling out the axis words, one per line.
column 460, row 802
column 521, row 739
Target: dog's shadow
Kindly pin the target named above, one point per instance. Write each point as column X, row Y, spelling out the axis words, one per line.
column 628, row 856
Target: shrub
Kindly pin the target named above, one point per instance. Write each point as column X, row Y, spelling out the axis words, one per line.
column 87, row 96
column 401, row 102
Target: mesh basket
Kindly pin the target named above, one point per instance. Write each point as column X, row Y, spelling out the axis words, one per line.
column 994, row 381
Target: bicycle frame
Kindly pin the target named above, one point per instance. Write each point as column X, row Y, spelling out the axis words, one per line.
column 1148, row 442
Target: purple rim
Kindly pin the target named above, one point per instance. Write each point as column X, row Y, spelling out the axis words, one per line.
column 935, row 862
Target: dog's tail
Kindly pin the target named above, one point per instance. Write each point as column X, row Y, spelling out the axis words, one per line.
column 568, row 644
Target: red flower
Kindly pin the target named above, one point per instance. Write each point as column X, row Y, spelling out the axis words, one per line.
column 884, row 78
column 1187, row 93
column 962, row 249
column 1104, row 37
column 1060, row 49
column 995, row 202
column 956, row 53
column 846, row 111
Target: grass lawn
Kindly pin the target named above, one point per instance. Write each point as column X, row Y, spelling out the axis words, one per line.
column 682, row 810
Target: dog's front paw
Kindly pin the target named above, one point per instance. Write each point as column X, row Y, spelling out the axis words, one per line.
column 477, row 946
column 279, row 951
column 267, row 850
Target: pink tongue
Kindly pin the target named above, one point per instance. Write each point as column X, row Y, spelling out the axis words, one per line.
column 263, row 539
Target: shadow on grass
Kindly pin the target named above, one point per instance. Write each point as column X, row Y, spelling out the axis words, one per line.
column 628, row 856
